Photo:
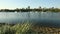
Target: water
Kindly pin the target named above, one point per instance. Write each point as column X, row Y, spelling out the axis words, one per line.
column 38, row 18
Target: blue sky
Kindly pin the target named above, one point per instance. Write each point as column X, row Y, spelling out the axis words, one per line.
column 11, row 4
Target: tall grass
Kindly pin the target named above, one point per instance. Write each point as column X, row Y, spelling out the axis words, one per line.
column 16, row 29
column 27, row 28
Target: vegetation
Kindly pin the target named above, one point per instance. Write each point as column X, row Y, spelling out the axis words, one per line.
column 27, row 28
column 15, row 29
column 30, row 9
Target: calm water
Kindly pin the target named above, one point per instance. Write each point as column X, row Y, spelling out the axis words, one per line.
column 40, row 18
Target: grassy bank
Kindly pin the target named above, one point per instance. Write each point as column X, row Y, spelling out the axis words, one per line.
column 27, row 28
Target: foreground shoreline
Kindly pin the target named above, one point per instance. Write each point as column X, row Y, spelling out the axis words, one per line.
column 27, row 28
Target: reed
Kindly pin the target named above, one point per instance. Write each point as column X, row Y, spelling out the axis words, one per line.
column 27, row 28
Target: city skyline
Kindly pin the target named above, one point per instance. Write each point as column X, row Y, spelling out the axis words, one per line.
column 11, row 4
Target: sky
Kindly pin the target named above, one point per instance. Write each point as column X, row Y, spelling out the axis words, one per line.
column 11, row 4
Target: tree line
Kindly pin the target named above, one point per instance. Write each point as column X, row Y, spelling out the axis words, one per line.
column 30, row 9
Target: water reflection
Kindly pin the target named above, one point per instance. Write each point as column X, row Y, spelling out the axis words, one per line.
column 38, row 17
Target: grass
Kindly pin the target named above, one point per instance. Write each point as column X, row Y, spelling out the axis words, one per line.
column 15, row 29
column 27, row 28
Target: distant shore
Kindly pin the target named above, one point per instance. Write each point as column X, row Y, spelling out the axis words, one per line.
column 29, row 9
